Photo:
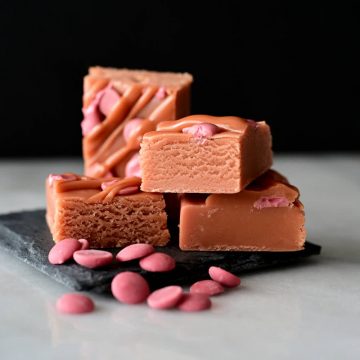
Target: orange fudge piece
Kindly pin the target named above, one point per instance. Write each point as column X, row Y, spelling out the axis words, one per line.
column 119, row 106
column 204, row 154
column 106, row 212
column 266, row 216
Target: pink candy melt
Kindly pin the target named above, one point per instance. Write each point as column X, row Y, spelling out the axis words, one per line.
column 133, row 167
column 134, row 251
column 201, row 131
column 165, row 298
column 108, row 100
column 125, row 191
column 63, row 251
column 131, row 127
column 106, row 184
column 223, row 277
column 91, row 119
column 53, row 177
column 74, row 304
column 104, row 101
column 93, row 258
column 161, row 94
column 157, row 262
column 84, row 244
column 194, row 302
column 129, row 190
column 271, row 202
column 207, row 287
column 130, row 288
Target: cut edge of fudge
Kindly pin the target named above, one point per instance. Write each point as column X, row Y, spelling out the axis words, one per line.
column 225, row 161
column 106, row 212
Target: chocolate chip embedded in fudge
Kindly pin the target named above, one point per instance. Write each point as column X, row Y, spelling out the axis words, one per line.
column 204, row 154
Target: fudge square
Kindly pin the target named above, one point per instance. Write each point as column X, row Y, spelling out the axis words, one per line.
column 119, row 106
column 204, row 154
column 106, row 212
column 266, row 216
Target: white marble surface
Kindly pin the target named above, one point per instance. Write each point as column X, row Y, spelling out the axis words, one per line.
column 304, row 312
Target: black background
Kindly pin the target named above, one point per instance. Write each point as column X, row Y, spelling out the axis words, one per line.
column 291, row 64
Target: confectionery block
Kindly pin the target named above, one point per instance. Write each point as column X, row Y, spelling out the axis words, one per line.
column 106, row 212
column 204, row 154
column 119, row 106
column 266, row 216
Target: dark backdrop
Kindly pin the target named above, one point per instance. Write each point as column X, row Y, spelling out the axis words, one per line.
column 291, row 64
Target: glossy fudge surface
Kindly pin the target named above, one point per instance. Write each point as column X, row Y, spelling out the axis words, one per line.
column 204, row 154
column 119, row 106
column 266, row 216
column 106, row 212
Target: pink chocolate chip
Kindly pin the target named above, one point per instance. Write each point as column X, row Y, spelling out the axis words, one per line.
column 93, row 258
column 194, row 302
column 203, row 130
column 74, row 304
column 131, row 127
column 223, row 277
column 84, row 244
column 161, row 93
column 130, row 288
column 133, row 166
column 91, row 119
column 53, row 177
column 165, row 298
column 129, row 190
column 157, row 262
column 63, row 251
column 271, row 202
column 134, row 251
column 207, row 287
column 106, row 184
column 108, row 100
column 125, row 191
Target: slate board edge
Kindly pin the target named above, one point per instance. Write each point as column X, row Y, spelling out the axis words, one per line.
column 75, row 284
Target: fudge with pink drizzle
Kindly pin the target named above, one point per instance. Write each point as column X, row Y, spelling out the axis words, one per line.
column 204, row 154
column 108, row 212
column 266, row 216
column 119, row 107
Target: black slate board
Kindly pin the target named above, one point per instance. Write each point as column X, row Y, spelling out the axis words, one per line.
column 26, row 236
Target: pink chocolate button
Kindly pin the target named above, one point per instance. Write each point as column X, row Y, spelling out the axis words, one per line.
column 161, row 94
column 203, row 130
column 74, row 304
column 131, row 126
column 157, row 262
column 194, row 302
column 93, row 258
column 207, row 287
column 223, row 277
column 108, row 100
column 84, row 244
column 271, row 202
column 53, row 177
column 91, row 119
column 134, row 251
column 130, row 288
column 132, row 168
column 63, row 251
column 165, row 298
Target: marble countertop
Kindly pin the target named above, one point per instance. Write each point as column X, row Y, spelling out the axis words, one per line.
column 309, row 311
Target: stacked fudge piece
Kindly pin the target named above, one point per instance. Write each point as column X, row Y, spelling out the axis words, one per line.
column 216, row 169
